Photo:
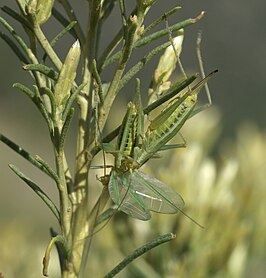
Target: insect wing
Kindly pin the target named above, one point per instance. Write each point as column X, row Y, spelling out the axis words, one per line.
column 125, row 197
column 156, row 195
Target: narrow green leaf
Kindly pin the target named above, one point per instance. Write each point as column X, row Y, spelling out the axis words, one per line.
column 52, row 101
column 71, row 99
column 42, row 108
column 139, row 252
column 66, row 30
column 64, row 22
column 22, row 152
column 49, row 72
column 11, row 30
column 37, row 190
column 14, row 48
column 16, row 16
column 24, row 89
column 48, row 168
column 135, row 69
column 160, row 19
column 65, row 129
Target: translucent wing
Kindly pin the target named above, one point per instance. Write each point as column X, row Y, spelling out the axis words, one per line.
column 156, row 195
column 137, row 193
column 125, row 197
column 131, row 204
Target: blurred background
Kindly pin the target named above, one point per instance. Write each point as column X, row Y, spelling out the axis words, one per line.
column 221, row 174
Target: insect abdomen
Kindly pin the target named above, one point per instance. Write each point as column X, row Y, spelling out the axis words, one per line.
column 158, row 137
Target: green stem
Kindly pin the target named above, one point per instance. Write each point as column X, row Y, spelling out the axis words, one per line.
column 113, row 88
column 60, row 160
column 47, row 46
column 83, row 159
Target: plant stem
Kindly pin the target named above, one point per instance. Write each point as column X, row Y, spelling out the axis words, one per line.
column 85, row 139
column 65, row 208
column 113, row 89
column 47, row 46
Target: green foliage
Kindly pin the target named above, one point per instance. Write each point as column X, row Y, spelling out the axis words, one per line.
column 54, row 94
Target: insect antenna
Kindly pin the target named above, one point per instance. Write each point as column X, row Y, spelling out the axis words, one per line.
column 202, row 71
column 189, row 217
column 174, row 49
column 179, row 65
column 104, row 180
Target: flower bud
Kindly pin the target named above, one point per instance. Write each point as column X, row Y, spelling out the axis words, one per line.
column 67, row 76
column 145, row 3
column 167, row 63
column 22, row 5
column 41, row 10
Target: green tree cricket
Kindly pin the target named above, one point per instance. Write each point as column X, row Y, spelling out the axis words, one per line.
column 134, row 192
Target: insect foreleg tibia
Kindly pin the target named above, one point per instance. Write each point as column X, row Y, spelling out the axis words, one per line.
column 96, row 167
column 173, row 146
column 105, row 216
